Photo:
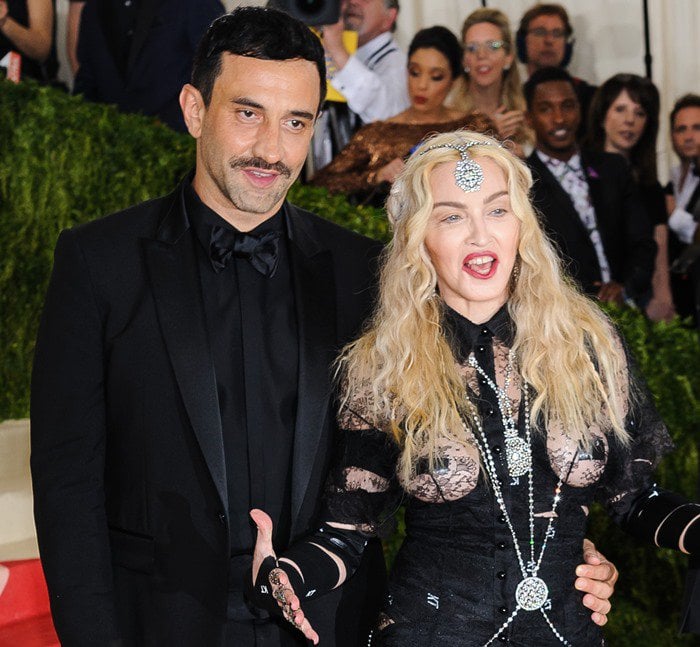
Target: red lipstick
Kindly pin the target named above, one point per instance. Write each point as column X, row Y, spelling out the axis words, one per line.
column 480, row 265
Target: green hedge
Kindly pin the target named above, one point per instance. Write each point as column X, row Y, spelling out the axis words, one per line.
column 63, row 162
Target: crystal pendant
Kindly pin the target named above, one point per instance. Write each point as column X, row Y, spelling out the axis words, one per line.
column 531, row 593
column 518, row 456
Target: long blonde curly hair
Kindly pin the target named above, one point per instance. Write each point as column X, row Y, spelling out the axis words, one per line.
column 566, row 347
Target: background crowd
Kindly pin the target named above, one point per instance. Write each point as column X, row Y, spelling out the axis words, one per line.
column 624, row 237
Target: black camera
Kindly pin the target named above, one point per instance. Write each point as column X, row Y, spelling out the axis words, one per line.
column 311, row 12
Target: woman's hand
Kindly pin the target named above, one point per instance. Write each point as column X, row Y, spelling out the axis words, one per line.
column 282, row 591
column 596, row 578
column 389, row 172
column 508, row 122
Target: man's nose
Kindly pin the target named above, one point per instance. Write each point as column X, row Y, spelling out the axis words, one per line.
column 267, row 143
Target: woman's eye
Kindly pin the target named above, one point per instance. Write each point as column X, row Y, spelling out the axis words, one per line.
column 498, row 211
column 437, row 79
column 453, row 217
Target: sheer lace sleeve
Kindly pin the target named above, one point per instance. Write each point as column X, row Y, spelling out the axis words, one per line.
column 362, row 488
column 361, row 497
column 629, row 474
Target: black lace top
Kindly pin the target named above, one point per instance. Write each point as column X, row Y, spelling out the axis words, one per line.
column 454, row 579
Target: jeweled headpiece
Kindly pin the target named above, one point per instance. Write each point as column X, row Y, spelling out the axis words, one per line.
column 468, row 174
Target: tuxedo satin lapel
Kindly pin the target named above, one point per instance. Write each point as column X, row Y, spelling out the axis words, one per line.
column 172, row 267
column 562, row 204
column 146, row 13
column 314, row 296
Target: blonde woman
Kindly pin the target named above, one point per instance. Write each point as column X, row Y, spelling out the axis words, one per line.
column 498, row 402
column 490, row 83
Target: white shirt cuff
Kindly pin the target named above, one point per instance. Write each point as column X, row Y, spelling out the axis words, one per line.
column 683, row 224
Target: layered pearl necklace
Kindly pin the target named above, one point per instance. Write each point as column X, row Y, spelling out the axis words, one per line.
column 532, row 592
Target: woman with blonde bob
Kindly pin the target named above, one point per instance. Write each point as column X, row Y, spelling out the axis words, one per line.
column 497, row 402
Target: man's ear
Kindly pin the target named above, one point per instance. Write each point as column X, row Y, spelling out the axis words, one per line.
column 193, row 109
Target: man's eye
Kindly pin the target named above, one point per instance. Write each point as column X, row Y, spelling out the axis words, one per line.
column 297, row 124
column 246, row 114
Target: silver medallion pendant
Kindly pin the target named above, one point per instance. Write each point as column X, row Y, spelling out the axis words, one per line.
column 518, row 456
column 531, row 593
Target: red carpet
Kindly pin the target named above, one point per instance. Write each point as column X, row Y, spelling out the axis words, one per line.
column 25, row 620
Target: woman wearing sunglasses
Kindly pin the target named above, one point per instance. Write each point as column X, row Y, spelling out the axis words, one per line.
column 490, row 83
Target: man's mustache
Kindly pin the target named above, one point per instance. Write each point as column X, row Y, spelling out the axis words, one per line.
column 257, row 162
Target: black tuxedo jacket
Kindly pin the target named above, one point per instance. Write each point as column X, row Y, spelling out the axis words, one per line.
column 624, row 225
column 159, row 59
column 127, row 457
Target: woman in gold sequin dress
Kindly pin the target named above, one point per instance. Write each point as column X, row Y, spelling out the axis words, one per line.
column 367, row 166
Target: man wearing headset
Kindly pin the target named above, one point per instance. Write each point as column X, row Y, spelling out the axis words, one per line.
column 545, row 38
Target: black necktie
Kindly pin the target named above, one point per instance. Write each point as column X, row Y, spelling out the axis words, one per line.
column 260, row 250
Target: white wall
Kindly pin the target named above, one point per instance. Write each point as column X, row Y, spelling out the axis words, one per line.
column 609, row 39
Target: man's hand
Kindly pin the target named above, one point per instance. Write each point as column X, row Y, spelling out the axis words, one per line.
column 279, row 582
column 596, row 578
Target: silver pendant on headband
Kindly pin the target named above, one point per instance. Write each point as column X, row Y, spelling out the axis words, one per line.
column 469, row 176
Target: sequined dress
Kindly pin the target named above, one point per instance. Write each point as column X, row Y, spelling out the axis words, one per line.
column 354, row 170
column 454, row 579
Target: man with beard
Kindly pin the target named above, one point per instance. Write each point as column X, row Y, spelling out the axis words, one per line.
column 589, row 205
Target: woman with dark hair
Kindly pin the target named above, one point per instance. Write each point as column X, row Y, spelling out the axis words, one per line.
column 367, row 166
column 624, row 119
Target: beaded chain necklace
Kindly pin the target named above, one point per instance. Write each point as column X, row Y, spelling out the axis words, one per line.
column 532, row 592
column 518, row 455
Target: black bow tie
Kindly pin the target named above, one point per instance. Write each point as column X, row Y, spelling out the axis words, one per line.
column 261, row 251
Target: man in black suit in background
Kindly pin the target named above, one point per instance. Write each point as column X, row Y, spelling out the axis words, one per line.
column 587, row 199
column 182, row 372
column 138, row 54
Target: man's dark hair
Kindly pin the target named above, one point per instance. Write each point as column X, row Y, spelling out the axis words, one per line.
column 257, row 32
column 686, row 101
column 442, row 40
column 545, row 75
column 545, row 9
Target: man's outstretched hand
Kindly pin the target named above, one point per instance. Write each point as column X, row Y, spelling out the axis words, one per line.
column 282, row 591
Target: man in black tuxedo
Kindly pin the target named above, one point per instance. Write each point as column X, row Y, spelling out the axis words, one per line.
column 137, row 54
column 182, row 373
column 587, row 199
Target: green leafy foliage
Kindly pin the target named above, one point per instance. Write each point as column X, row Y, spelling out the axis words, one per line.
column 65, row 161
